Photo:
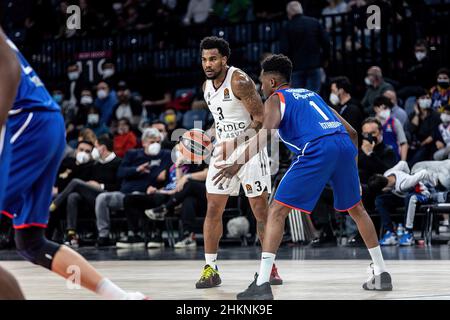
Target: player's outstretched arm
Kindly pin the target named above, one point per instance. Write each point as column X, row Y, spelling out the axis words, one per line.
column 9, row 78
column 272, row 119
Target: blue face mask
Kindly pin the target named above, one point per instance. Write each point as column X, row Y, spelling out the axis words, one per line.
column 57, row 97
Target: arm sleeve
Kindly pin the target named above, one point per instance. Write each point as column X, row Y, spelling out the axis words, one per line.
column 127, row 168
column 401, row 137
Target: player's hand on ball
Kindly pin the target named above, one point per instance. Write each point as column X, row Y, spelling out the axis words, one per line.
column 227, row 172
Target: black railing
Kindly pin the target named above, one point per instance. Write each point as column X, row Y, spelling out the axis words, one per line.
column 353, row 48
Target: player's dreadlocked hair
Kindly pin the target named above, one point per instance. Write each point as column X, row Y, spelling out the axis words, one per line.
column 278, row 63
column 216, row 43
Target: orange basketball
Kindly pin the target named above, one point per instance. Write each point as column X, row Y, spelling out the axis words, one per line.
column 195, row 145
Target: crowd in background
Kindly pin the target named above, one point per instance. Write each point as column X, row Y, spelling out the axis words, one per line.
column 122, row 161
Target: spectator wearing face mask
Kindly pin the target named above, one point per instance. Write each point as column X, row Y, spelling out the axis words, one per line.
column 140, row 169
column 442, row 136
column 375, row 156
column 417, row 70
column 127, row 107
column 440, row 94
column 74, row 83
column 422, row 125
column 393, row 132
column 397, row 112
column 125, row 139
column 167, row 142
column 67, row 108
column 77, row 166
column 170, row 118
column 376, row 86
column 93, row 122
column 343, row 102
column 109, row 74
column 106, row 101
column 80, row 193
column 86, row 102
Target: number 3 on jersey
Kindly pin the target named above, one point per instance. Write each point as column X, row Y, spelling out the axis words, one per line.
column 220, row 111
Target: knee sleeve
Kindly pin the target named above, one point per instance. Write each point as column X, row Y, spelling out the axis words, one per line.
column 34, row 247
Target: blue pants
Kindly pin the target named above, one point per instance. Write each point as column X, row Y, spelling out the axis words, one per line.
column 37, row 147
column 326, row 160
column 308, row 79
column 5, row 158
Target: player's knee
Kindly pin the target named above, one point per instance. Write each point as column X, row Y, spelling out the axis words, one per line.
column 34, row 247
column 213, row 212
column 277, row 212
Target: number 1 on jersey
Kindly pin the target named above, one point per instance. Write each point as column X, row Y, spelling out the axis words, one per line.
column 315, row 106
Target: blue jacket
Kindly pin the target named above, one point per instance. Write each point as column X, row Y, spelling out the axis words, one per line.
column 106, row 107
column 132, row 180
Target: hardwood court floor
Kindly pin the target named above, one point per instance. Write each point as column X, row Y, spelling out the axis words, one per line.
column 304, row 279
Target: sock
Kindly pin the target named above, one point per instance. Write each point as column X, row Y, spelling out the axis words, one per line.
column 378, row 261
column 265, row 268
column 211, row 259
column 108, row 290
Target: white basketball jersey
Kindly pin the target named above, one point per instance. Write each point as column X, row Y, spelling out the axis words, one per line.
column 230, row 115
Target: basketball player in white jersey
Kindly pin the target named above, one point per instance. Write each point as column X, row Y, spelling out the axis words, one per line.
column 238, row 110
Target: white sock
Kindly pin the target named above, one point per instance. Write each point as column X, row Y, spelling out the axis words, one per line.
column 211, row 258
column 109, row 290
column 265, row 268
column 378, row 261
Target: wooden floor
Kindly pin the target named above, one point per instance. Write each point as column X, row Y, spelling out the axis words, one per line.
column 304, row 279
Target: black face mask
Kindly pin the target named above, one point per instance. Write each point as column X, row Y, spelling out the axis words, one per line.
column 369, row 137
column 443, row 84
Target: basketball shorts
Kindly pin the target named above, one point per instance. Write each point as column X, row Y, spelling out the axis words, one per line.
column 5, row 155
column 254, row 177
column 326, row 160
column 37, row 146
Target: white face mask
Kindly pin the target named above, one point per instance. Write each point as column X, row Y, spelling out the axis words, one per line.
column 85, row 100
column 420, row 55
column 367, row 81
column 154, row 149
column 82, row 157
column 102, row 94
column 108, row 73
column 384, row 114
column 73, row 75
column 334, row 99
column 93, row 118
column 424, row 103
column 445, row 118
column 95, row 154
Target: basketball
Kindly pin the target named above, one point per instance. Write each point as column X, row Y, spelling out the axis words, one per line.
column 195, row 145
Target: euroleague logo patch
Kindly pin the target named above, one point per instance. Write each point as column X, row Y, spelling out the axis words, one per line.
column 249, row 188
column 226, row 94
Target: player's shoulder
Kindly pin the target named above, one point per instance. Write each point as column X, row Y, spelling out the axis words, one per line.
column 241, row 80
column 274, row 99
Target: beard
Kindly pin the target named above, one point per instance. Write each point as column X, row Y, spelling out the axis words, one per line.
column 214, row 76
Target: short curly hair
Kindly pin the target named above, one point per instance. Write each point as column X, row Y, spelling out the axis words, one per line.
column 213, row 42
column 278, row 63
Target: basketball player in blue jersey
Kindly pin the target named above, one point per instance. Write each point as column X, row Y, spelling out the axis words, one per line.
column 37, row 142
column 326, row 152
column 9, row 82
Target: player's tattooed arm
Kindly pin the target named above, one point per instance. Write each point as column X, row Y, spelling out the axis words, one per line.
column 244, row 89
column 9, row 78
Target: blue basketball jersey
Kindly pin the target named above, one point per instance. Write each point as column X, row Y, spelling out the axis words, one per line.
column 304, row 118
column 31, row 93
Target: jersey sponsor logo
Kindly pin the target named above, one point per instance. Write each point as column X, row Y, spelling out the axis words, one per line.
column 226, row 95
column 249, row 188
column 330, row 124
